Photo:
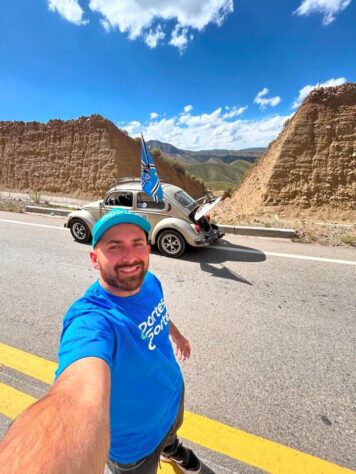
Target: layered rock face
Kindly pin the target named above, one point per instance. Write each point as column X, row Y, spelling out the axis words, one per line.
column 80, row 158
column 310, row 169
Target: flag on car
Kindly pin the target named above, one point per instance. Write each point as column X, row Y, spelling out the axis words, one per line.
column 150, row 182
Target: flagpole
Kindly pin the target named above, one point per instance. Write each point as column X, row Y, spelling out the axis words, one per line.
column 144, row 147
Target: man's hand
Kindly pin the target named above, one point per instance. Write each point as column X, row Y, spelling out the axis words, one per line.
column 181, row 345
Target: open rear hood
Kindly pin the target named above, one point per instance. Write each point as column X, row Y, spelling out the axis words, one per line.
column 202, row 210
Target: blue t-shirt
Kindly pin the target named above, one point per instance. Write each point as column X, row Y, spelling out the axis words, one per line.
column 131, row 335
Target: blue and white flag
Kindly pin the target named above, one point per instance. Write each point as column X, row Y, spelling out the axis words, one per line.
column 149, row 177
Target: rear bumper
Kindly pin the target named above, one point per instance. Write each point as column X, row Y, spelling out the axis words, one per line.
column 208, row 239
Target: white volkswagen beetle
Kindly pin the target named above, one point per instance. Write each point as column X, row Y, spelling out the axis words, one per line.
column 173, row 220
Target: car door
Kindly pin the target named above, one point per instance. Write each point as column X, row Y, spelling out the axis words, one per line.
column 149, row 209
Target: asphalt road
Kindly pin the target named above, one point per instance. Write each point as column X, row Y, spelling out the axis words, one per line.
column 273, row 337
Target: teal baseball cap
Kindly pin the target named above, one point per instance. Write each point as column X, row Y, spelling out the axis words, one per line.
column 115, row 217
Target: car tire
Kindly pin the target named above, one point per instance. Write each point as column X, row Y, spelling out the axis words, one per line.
column 80, row 231
column 171, row 244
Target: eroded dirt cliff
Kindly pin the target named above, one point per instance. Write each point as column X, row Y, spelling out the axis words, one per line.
column 79, row 158
column 310, row 169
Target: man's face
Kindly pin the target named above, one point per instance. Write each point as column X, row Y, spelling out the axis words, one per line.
column 122, row 258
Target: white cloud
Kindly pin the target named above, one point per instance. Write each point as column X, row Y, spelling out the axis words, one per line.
column 131, row 127
column 264, row 102
column 137, row 18
column 234, row 112
column 305, row 91
column 188, row 108
column 154, row 37
column 69, row 9
column 106, row 25
column 328, row 8
column 217, row 129
column 154, row 115
column 180, row 38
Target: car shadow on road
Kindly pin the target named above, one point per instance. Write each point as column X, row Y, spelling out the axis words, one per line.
column 212, row 259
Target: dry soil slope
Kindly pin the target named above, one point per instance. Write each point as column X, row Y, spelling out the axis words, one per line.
column 309, row 170
column 80, row 158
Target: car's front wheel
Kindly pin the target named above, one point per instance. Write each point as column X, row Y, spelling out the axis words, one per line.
column 80, row 231
column 171, row 244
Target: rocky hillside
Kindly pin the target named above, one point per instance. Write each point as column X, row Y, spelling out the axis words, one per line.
column 310, row 169
column 79, row 158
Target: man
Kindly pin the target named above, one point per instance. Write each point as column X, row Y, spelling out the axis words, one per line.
column 115, row 357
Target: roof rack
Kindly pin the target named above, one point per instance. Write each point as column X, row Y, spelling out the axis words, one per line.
column 128, row 179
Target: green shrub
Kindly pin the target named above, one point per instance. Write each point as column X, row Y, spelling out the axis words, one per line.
column 195, row 178
column 35, row 197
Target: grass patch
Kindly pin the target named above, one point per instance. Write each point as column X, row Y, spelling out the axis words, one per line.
column 11, row 206
column 349, row 239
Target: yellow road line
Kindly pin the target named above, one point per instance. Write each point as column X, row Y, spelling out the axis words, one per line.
column 253, row 450
column 26, row 363
column 13, row 402
column 167, row 468
column 244, row 447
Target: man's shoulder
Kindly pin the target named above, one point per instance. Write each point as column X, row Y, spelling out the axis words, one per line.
column 152, row 277
column 93, row 303
column 93, row 298
column 152, row 280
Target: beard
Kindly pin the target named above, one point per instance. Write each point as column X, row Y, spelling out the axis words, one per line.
column 122, row 282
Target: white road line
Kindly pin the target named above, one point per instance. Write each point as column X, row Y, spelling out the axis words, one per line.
column 286, row 255
column 216, row 247
column 33, row 224
column 316, row 259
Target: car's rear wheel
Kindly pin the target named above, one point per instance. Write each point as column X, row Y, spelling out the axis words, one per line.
column 80, row 231
column 171, row 243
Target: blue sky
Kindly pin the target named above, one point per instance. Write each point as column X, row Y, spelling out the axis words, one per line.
column 195, row 73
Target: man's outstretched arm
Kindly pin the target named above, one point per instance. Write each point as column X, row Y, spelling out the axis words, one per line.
column 181, row 345
column 67, row 431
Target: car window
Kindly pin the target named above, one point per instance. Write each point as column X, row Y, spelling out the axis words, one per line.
column 119, row 198
column 185, row 200
column 145, row 202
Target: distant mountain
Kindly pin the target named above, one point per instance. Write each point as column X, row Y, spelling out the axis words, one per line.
column 220, row 152
column 202, row 156
column 218, row 175
column 219, row 169
column 164, row 147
